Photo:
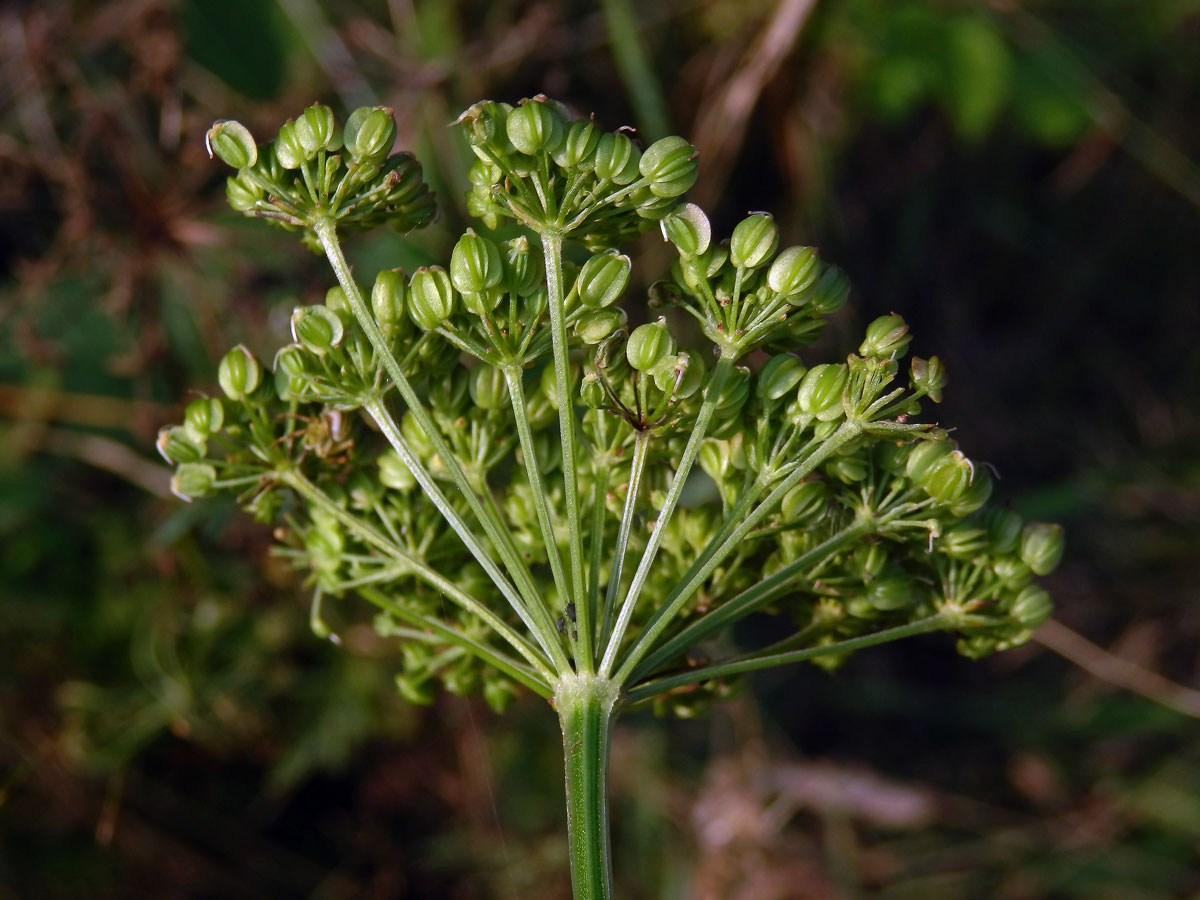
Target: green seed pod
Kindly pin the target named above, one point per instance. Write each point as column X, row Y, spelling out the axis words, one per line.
column 887, row 338
column 430, row 297
column 735, row 391
column 535, row 127
column 1004, row 529
column 688, row 229
column 976, row 495
column 832, row 289
column 1042, row 547
column 820, row 392
column 293, row 381
column 929, row 375
column 1032, row 607
column 870, row 559
column 892, row 457
column 848, row 469
column 489, row 390
column 594, row 325
column 192, row 480
column 238, row 374
column 947, row 480
column 754, row 240
column 289, row 152
column 316, row 130
column 669, row 165
column 892, row 592
column 316, row 328
column 805, row 504
column 1011, row 572
column 242, row 193
column 617, row 158
column 924, row 456
column 578, row 150
column 177, row 444
column 389, row 298
column 524, row 272
column 204, row 417
column 393, row 473
column 232, row 143
column 964, row 541
column 592, row 392
column 549, row 382
column 793, row 271
column 475, row 264
column 778, row 377
column 603, row 279
column 483, row 123
column 648, row 345
column 687, row 367
column 369, row 134
column 335, row 300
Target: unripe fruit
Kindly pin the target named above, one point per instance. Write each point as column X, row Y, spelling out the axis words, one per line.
column 603, row 279
column 489, row 390
column 648, row 345
column 887, row 338
column 594, row 325
column 232, row 143
column 820, row 393
column 688, row 229
column 793, row 271
column 192, row 480
column 316, row 328
column 369, row 134
column 535, row 126
column 1042, row 547
column 929, row 375
column 617, row 158
column 430, row 297
column 315, row 129
column 1032, row 607
column 388, row 297
column 779, row 377
column 578, row 150
column 475, row 264
column 204, row 416
column 754, row 240
column 805, row 504
column 669, row 165
column 238, row 373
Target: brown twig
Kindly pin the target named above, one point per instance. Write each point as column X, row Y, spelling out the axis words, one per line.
column 721, row 126
column 1115, row 670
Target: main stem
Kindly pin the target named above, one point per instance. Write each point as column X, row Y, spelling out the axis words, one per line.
column 585, row 711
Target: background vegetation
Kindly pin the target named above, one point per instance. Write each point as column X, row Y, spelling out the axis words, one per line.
column 1015, row 177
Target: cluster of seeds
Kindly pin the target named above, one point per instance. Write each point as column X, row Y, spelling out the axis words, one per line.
column 485, row 450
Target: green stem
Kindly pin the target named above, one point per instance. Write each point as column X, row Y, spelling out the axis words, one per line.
column 754, row 662
column 451, row 635
column 654, row 628
column 637, row 466
column 552, row 252
column 326, row 231
column 592, row 606
column 751, row 599
column 711, row 394
column 378, row 411
column 516, row 393
column 297, row 482
column 585, row 712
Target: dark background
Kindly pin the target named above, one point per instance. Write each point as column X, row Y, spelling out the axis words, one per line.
column 1015, row 177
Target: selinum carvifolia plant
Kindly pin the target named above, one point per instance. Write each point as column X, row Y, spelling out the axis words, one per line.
column 510, row 473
